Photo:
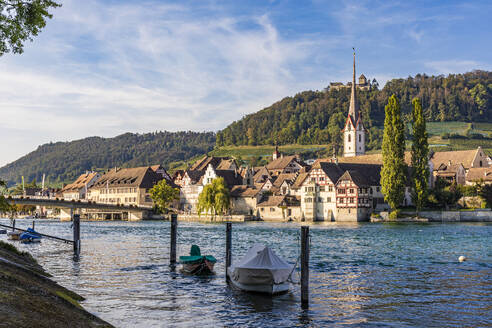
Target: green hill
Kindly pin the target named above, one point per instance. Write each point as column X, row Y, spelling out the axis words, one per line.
column 316, row 117
column 64, row 161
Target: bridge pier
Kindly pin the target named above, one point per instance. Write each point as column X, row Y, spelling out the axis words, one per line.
column 65, row 214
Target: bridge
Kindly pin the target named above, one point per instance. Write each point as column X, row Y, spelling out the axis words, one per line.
column 92, row 209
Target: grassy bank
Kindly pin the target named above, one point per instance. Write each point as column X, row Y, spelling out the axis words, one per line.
column 29, row 298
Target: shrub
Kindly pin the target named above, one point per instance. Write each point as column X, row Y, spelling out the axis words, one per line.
column 394, row 214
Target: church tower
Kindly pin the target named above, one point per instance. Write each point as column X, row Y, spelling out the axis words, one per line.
column 354, row 141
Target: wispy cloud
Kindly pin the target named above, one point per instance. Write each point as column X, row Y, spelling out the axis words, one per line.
column 454, row 66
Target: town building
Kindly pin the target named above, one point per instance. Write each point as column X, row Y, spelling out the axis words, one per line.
column 479, row 175
column 78, row 189
column 126, row 186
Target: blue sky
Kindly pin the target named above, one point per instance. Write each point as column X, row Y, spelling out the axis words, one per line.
column 108, row 67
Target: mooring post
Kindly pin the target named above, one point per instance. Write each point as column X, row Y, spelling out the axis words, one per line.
column 76, row 235
column 13, row 225
column 33, row 224
column 304, row 267
column 228, row 248
column 174, row 230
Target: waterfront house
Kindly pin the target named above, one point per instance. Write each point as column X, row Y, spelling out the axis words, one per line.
column 78, row 189
column 279, row 208
column 126, row 186
column 479, row 175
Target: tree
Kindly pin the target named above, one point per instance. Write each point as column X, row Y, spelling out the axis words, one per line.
column 393, row 171
column 163, row 195
column 21, row 20
column 214, row 198
column 4, row 205
column 420, row 153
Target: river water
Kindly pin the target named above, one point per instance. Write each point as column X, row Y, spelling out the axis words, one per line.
column 370, row 275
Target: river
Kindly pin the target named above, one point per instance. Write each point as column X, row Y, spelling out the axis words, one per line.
column 370, row 275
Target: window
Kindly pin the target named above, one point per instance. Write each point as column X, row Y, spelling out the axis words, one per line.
column 480, row 163
column 360, row 139
column 351, row 190
column 360, row 190
column 320, row 200
column 370, row 191
column 351, row 200
column 272, row 209
column 341, row 191
column 313, row 179
column 321, row 178
column 330, row 188
column 306, row 189
column 310, row 189
column 262, row 209
column 340, row 200
column 328, row 200
column 309, row 200
column 349, row 139
column 322, row 188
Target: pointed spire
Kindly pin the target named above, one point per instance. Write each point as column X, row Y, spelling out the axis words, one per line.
column 354, row 104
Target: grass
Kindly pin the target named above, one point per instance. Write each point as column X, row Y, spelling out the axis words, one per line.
column 264, row 150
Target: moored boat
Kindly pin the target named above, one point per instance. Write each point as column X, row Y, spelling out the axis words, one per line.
column 261, row 271
column 196, row 263
column 30, row 236
column 14, row 235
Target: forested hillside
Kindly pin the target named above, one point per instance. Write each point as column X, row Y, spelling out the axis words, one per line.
column 64, row 161
column 316, row 117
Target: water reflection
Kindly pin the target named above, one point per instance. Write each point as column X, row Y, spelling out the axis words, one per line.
column 361, row 274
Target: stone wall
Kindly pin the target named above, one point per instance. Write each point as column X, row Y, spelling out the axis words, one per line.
column 478, row 215
column 217, row 218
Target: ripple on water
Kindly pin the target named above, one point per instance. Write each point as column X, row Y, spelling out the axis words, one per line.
column 371, row 275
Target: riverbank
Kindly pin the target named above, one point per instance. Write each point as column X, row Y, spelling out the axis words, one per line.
column 28, row 297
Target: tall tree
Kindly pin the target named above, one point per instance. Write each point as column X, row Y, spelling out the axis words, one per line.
column 214, row 198
column 21, row 20
column 4, row 206
column 393, row 171
column 163, row 195
column 420, row 152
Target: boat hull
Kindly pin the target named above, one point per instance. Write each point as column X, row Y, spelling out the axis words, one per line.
column 267, row 288
column 14, row 235
column 202, row 268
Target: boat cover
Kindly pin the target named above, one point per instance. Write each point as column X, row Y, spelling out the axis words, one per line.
column 261, row 265
column 196, row 256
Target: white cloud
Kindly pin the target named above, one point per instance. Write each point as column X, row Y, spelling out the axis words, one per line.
column 105, row 70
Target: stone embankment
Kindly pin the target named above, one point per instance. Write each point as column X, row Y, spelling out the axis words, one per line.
column 477, row 215
column 29, row 298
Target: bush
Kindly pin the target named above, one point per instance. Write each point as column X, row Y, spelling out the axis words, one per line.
column 394, row 215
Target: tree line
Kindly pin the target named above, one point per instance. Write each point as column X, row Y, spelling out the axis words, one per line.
column 63, row 162
column 316, row 117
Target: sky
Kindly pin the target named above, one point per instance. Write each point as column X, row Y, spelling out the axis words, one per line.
column 106, row 67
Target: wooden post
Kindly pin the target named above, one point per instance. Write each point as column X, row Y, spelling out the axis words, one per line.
column 76, row 235
column 228, row 248
column 13, row 225
column 33, row 224
column 174, row 229
column 304, row 267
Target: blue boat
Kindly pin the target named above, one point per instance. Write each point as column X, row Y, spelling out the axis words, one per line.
column 30, row 236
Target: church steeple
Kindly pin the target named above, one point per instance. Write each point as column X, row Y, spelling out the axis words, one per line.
column 354, row 104
column 354, row 133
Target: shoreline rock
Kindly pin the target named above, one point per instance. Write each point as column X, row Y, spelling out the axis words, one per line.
column 28, row 297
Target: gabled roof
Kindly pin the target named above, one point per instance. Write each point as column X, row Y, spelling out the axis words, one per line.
column 299, row 180
column 356, row 177
column 281, row 163
column 221, row 163
column 80, row 182
column 260, row 172
column 475, row 174
column 195, row 175
column 465, row 157
column 288, row 177
column 453, row 168
column 370, row 172
column 275, row 201
column 244, row 191
column 231, row 178
column 141, row 177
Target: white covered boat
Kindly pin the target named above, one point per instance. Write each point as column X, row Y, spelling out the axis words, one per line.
column 262, row 271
